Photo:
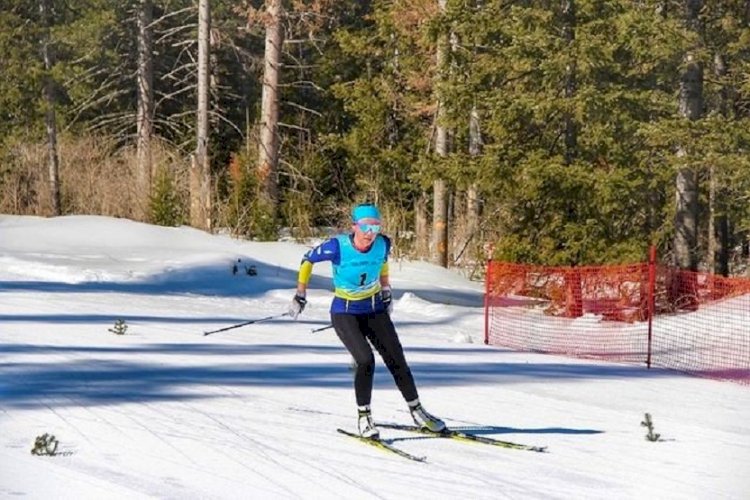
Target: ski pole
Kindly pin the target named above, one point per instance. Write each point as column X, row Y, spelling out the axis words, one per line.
column 315, row 330
column 246, row 323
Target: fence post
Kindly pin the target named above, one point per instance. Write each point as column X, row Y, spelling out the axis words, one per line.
column 651, row 299
column 487, row 277
column 573, row 293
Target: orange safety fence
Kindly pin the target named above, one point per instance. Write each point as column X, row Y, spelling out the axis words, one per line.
column 642, row 313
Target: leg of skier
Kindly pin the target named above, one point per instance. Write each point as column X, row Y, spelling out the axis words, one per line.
column 348, row 330
column 381, row 332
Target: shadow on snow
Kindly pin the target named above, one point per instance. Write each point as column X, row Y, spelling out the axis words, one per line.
column 88, row 380
column 211, row 280
column 216, row 280
column 215, row 321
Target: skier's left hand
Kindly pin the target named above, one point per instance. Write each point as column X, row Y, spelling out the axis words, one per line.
column 387, row 297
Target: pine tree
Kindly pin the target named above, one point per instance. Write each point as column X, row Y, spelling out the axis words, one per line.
column 165, row 207
column 45, row 444
column 563, row 99
column 649, row 424
column 120, row 327
column 389, row 106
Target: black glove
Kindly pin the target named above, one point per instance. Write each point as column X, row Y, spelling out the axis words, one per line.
column 297, row 306
column 387, row 297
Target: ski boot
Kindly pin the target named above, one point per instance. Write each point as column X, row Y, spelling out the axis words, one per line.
column 365, row 424
column 424, row 420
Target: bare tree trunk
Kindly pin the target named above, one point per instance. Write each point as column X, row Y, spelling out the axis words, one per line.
column 475, row 133
column 50, row 118
column 475, row 149
column 440, row 204
column 466, row 218
column 720, row 236
column 422, row 228
column 472, row 210
column 723, row 230
column 686, row 195
column 712, row 243
column 145, row 113
column 476, row 146
column 440, row 223
column 457, row 220
column 686, row 198
column 269, row 140
column 200, row 174
column 439, row 187
column 570, row 131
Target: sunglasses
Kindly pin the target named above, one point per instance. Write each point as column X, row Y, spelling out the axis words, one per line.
column 367, row 228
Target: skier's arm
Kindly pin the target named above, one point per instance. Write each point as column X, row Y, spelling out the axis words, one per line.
column 384, row 272
column 303, row 277
column 385, row 282
column 328, row 250
column 384, row 278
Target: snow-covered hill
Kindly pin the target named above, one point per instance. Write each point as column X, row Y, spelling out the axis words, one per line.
column 166, row 412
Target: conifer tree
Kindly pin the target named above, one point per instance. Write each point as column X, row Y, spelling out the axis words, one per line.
column 389, row 107
column 562, row 118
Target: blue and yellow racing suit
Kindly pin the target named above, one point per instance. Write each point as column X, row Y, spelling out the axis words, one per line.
column 356, row 274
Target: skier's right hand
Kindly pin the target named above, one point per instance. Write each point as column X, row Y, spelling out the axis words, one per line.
column 297, row 306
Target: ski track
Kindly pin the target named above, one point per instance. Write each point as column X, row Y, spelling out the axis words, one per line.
column 156, row 435
column 217, row 445
column 312, row 459
column 259, row 447
column 319, row 475
column 131, row 414
column 67, row 422
column 155, row 416
column 307, row 460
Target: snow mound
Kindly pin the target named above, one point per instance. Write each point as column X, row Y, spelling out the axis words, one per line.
column 462, row 338
column 410, row 303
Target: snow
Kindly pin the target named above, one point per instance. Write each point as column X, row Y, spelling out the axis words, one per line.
column 166, row 412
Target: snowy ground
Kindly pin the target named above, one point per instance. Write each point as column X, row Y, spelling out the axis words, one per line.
column 166, row 412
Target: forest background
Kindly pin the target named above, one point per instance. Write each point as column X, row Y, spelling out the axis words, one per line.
column 562, row 132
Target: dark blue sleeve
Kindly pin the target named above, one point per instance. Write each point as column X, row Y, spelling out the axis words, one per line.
column 387, row 246
column 328, row 250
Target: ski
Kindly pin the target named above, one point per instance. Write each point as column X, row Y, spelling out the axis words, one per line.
column 462, row 436
column 382, row 445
